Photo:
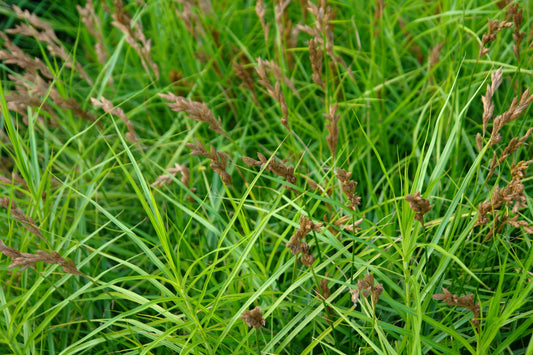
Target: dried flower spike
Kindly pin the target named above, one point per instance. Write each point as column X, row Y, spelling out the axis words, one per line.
column 419, row 205
column 366, row 287
column 253, row 318
column 274, row 91
column 135, row 37
column 92, row 22
column 260, row 11
column 494, row 27
column 333, row 137
column 166, row 179
column 196, row 110
column 488, row 105
column 275, row 167
column 465, row 302
column 316, row 56
column 516, row 14
column 108, row 107
column 20, row 216
column 218, row 160
column 27, row 260
column 513, row 194
column 324, row 290
column 348, row 187
column 297, row 246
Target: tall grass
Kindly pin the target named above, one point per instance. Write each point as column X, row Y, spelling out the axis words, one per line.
column 266, row 177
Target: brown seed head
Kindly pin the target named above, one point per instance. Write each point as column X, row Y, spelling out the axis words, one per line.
column 419, row 205
column 253, row 318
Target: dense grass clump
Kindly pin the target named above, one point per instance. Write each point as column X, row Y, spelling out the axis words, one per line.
column 227, row 177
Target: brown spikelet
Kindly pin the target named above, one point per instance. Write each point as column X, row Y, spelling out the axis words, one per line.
column 11, row 252
column 196, row 110
column 502, row 3
column 514, row 222
column 340, row 224
column 511, row 195
column 419, row 205
column 516, row 15
column 297, row 246
column 518, row 106
column 488, row 105
column 323, row 289
column 333, row 129
column 465, row 302
column 366, row 287
column 92, row 22
column 323, row 292
column 348, row 187
column 279, row 12
column 43, row 32
column 135, row 37
column 190, row 18
column 166, row 179
column 31, row 90
column 434, row 57
column 27, row 260
column 274, row 166
column 308, row 260
column 108, row 107
column 278, row 74
column 254, row 318
column 323, row 29
column 19, row 215
column 16, row 179
column 511, row 147
column 316, row 56
column 495, row 26
column 12, row 54
column 218, row 160
column 260, row 11
column 245, row 73
column 263, row 67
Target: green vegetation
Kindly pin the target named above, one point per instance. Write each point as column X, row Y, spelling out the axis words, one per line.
column 286, row 177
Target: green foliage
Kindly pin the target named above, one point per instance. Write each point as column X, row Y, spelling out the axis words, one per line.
column 172, row 268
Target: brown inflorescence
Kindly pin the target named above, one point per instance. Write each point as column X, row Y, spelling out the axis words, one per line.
column 418, row 204
column 296, row 244
column 366, row 287
column 465, row 302
column 33, row 88
column 518, row 106
column 260, row 11
column 495, row 26
column 488, row 104
column 273, row 166
column 512, row 195
column 134, row 36
column 254, row 318
column 94, row 26
column 19, row 215
column 263, row 68
column 516, row 15
column 27, row 260
column 218, row 160
column 196, row 110
column 348, row 187
column 333, row 130
column 166, row 179
column 316, row 56
column 108, row 107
